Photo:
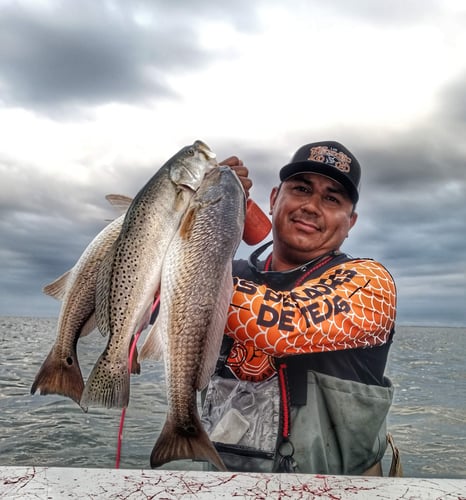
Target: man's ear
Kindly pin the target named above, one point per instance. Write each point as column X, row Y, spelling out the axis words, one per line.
column 273, row 197
column 353, row 219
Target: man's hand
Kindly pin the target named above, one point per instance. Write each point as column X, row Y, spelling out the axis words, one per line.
column 241, row 171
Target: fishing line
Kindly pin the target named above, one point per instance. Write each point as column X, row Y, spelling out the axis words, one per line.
column 130, row 360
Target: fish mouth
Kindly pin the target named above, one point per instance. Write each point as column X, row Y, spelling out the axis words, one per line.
column 203, row 148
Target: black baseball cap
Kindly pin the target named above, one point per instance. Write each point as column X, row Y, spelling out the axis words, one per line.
column 327, row 158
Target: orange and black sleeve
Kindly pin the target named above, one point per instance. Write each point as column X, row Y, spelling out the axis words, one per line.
column 349, row 306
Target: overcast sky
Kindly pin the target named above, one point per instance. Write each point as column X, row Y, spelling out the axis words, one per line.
column 96, row 95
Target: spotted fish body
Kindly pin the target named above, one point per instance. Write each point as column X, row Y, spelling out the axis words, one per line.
column 130, row 274
column 60, row 372
column 195, row 293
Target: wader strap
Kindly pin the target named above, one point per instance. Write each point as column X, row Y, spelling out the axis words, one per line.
column 297, row 380
column 285, row 401
column 285, row 448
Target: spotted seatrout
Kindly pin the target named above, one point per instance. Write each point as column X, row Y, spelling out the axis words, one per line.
column 195, row 293
column 129, row 276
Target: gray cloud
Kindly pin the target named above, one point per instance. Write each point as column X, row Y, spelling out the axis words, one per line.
column 454, row 102
column 412, row 211
column 85, row 53
column 414, row 226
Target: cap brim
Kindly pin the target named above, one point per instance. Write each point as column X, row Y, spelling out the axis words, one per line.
column 308, row 166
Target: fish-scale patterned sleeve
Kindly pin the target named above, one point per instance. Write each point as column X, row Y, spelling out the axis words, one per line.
column 349, row 306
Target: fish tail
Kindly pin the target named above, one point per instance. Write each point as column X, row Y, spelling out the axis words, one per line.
column 60, row 376
column 175, row 443
column 107, row 385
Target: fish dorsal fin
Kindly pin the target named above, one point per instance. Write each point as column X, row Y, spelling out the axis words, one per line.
column 216, row 329
column 57, row 288
column 119, row 201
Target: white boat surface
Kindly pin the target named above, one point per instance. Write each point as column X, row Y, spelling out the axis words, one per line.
column 54, row 482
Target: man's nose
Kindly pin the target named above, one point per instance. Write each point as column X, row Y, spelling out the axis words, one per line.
column 312, row 204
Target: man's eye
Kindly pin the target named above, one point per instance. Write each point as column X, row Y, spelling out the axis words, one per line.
column 332, row 199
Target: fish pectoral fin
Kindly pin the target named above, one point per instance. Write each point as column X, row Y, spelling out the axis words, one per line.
column 57, row 288
column 153, row 345
column 89, row 326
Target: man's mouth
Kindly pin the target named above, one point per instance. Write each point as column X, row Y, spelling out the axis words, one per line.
column 306, row 224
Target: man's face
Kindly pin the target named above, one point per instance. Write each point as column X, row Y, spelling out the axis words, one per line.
column 312, row 215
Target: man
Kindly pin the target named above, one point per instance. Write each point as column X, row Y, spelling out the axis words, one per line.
column 300, row 382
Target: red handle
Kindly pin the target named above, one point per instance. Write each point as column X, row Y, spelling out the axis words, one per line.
column 257, row 225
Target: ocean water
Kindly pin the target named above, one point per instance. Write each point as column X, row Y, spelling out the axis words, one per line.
column 427, row 420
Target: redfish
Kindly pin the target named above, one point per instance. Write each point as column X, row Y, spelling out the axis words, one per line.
column 195, row 292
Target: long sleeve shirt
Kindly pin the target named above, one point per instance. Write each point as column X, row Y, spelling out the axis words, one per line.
column 350, row 306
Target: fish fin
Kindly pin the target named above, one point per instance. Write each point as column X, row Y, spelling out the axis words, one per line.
column 59, row 376
column 153, row 345
column 89, row 326
column 187, row 223
column 214, row 335
column 119, row 201
column 107, row 385
column 177, row 444
column 57, row 288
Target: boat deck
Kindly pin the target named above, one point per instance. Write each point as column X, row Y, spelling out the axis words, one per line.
column 69, row 483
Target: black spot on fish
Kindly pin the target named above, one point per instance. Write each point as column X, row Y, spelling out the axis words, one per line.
column 190, row 430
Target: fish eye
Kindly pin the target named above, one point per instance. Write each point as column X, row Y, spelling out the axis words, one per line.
column 190, row 152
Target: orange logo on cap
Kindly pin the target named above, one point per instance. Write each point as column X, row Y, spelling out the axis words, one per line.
column 329, row 156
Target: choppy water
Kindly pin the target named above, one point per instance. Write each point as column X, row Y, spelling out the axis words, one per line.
column 428, row 418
